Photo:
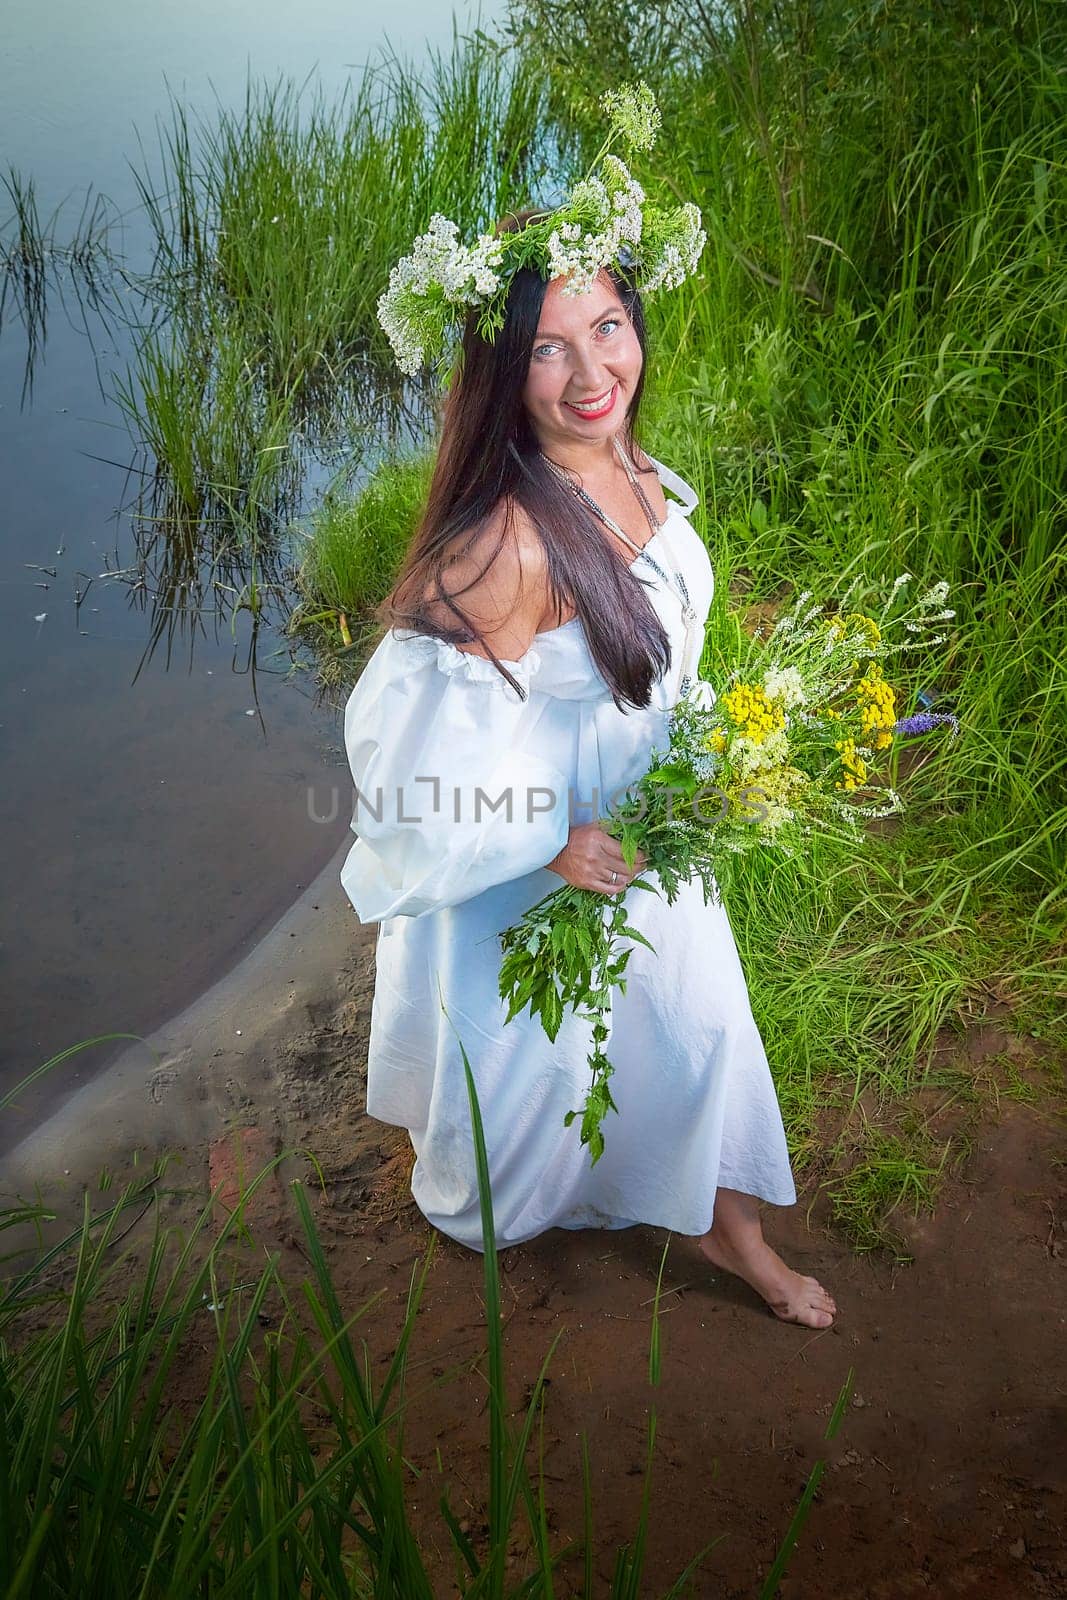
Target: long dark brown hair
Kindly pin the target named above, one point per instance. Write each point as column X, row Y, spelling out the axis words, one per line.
column 489, row 452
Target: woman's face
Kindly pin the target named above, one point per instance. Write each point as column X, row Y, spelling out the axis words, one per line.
column 586, row 349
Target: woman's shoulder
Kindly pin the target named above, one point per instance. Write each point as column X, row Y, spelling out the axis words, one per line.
column 506, row 537
column 495, row 573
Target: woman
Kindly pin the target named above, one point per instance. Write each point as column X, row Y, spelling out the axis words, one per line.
column 539, row 639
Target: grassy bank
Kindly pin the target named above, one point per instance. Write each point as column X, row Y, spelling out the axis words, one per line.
column 275, row 226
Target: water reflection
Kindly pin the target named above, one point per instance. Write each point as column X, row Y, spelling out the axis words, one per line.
column 203, row 566
column 207, row 543
column 34, row 265
column 255, row 374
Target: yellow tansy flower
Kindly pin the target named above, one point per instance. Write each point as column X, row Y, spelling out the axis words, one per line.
column 854, row 768
column 840, row 625
column 878, row 707
column 754, row 715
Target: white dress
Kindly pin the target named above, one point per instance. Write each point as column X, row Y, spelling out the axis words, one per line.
column 444, row 869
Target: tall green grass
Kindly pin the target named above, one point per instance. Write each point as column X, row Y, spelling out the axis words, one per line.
column 907, row 415
column 347, row 560
column 288, row 1476
column 29, row 242
column 275, row 228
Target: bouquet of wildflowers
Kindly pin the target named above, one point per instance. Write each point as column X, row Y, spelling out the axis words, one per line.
column 791, row 748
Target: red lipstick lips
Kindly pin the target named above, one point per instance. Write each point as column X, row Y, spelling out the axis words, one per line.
column 591, row 416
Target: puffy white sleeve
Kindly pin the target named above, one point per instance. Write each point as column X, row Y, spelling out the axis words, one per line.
column 460, row 783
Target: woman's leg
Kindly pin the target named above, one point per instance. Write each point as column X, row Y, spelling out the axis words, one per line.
column 735, row 1243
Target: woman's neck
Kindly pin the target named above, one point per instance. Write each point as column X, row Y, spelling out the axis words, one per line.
column 595, row 458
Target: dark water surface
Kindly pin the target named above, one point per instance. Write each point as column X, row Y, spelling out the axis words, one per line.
column 152, row 828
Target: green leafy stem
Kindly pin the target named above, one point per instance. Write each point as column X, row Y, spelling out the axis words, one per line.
column 566, row 953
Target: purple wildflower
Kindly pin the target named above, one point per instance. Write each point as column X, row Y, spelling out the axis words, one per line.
column 925, row 722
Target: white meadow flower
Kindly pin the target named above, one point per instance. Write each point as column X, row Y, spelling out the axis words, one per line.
column 752, row 757
column 786, row 685
column 633, row 113
column 774, row 815
column 592, row 196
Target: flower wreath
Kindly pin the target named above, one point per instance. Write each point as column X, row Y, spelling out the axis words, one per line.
column 604, row 220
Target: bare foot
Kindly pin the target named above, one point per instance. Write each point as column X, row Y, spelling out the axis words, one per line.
column 791, row 1296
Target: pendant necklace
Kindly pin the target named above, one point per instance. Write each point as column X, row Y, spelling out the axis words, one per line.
column 677, row 586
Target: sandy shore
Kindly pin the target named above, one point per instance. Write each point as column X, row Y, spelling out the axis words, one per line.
column 250, row 1050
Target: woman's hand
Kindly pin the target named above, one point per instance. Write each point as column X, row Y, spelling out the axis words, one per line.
column 589, row 858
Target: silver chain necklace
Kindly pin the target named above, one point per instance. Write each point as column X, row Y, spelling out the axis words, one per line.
column 678, row 585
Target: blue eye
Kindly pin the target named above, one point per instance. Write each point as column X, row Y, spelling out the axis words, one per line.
column 608, row 322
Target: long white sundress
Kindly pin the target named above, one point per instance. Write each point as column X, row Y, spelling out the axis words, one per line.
column 444, row 869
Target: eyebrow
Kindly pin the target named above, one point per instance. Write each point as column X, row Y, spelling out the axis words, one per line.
column 539, row 336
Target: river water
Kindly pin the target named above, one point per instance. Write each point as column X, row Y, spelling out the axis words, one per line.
column 159, row 809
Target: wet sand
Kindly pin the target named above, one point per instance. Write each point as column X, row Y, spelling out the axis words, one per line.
column 223, row 1058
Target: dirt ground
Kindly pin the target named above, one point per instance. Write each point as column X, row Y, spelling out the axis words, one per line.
column 948, row 1474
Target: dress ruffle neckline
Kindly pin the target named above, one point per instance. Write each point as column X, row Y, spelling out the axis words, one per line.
column 450, row 659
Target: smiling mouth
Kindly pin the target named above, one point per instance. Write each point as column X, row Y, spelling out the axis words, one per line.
column 596, row 408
